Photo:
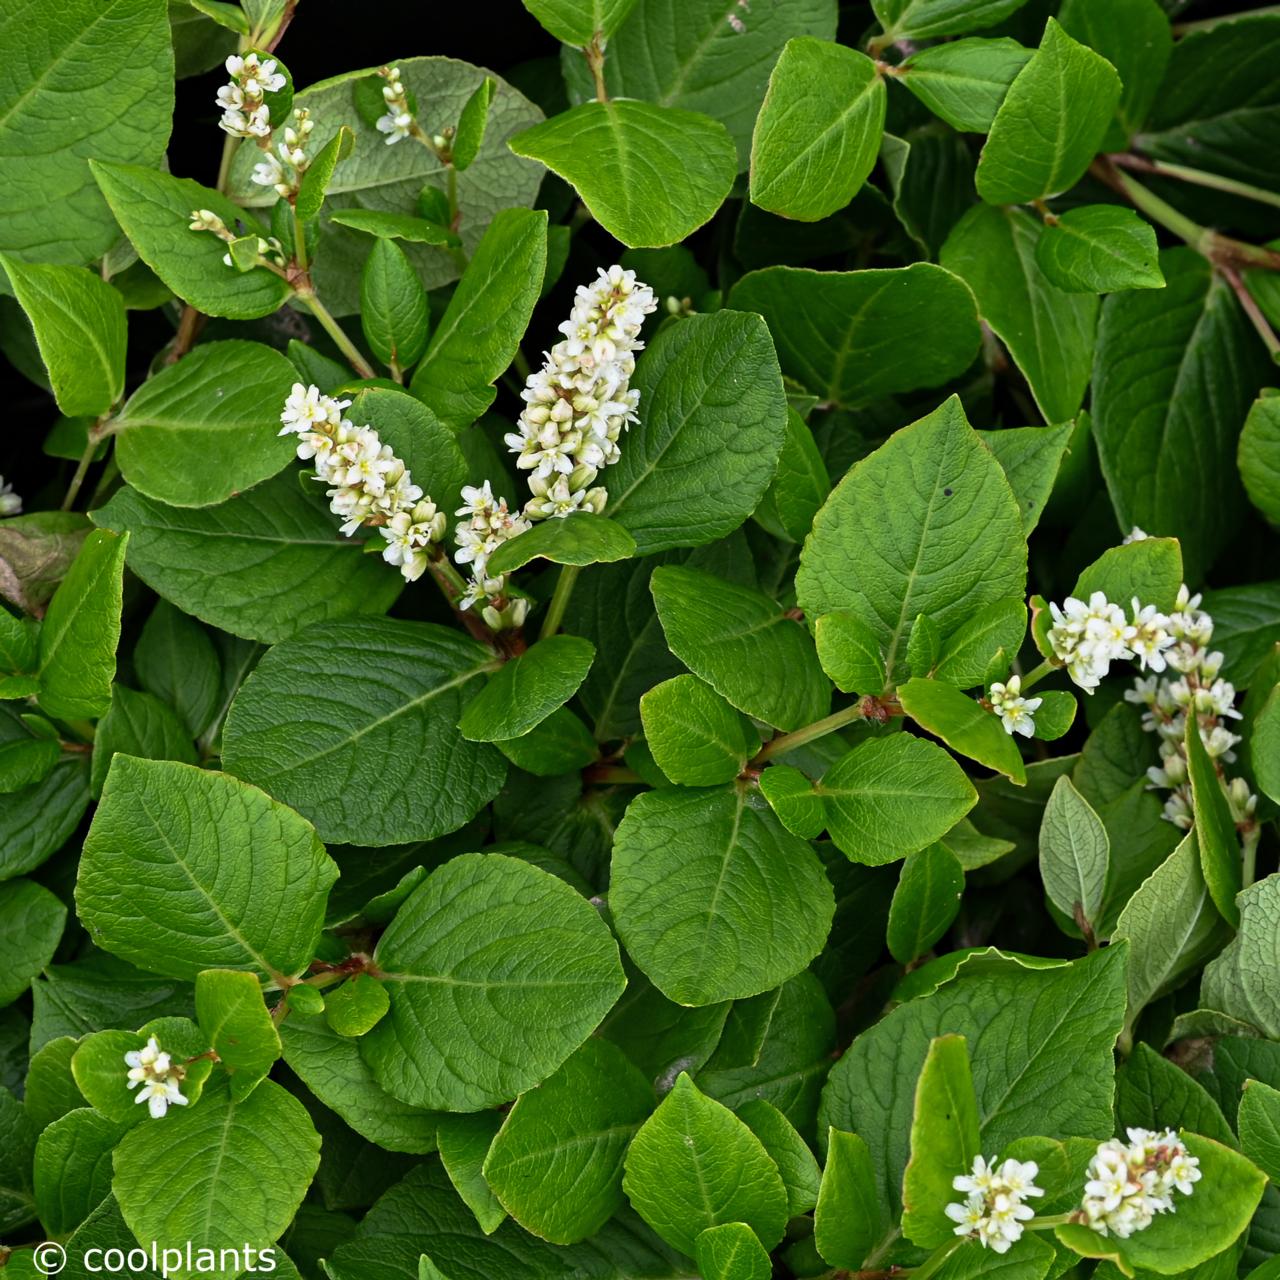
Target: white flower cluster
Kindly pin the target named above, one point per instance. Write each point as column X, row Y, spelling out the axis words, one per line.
column 398, row 121
column 579, row 403
column 244, row 113
column 10, row 502
column 269, row 248
column 285, row 174
column 1087, row 637
column 154, row 1070
column 487, row 525
column 1016, row 712
column 1129, row 1183
column 369, row 485
column 993, row 1210
column 1192, row 686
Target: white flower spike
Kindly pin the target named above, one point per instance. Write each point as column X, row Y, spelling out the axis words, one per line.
column 160, row 1079
column 1127, row 1184
column 993, row 1211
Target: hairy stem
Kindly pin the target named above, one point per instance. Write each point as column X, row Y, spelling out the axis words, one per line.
column 335, row 331
column 560, row 600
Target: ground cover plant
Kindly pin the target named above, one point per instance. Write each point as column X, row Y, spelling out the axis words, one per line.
column 650, row 651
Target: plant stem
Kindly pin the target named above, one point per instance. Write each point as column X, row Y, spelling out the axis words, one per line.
column 230, row 145
column 1036, row 674
column 96, row 434
column 299, row 241
column 1249, row 868
column 594, row 55
column 1197, row 177
column 818, row 729
column 451, row 192
column 937, row 1259
column 560, row 600
column 334, row 330
column 1252, row 310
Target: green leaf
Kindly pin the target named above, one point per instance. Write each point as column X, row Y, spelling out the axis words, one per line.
column 944, row 1141
column 72, row 1171
column 95, row 79
column 845, row 1221
column 964, row 82
column 1259, row 1125
column 1098, row 248
column 787, row 1149
column 1161, row 389
column 357, row 1006
column 697, row 738
column 713, row 417
column 1237, row 982
column 1049, row 333
column 846, row 335
column 889, row 797
column 559, row 745
column 38, row 819
column 963, row 723
column 523, row 692
column 800, row 486
column 578, row 539
column 575, row 22
column 738, row 641
column 732, row 1251
column 230, row 1011
column 811, row 152
column 393, row 226
column 791, row 796
column 649, row 175
column 1157, row 1094
column 1149, row 570
column 393, row 306
column 29, row 750
column 884, row 543
column 287, row 733
column 1051, row 123
column 385, row 179
column 1258, row 455
column 185, row 869
column 1215, row 827
column 913, row 19
column 80, row 330
column 175, row 660
column 968, row 651
column 464, row 1142
column 319, row 173
column 81, row 631
column 1264, row 748
column 154, row 210
column 137, row 724
column 19, row 655
column 482, row 1007
column 1203, row 1225
column 1031, row 458
column 712, row 898
column 556, row 1164
column 197, row 1175
column 50, row 1090
column 31, row 922
column 479, row 334
column 850, row 653
column 202, row 430
column 261, row 565
column 695, row 1165
column 925, row 902
column 472, row 120
column 1074, row 854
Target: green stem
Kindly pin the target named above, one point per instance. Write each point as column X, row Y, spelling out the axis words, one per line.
column 1197, row 177
column 937, row 1259
column 451, row 191
column 1036, row 674
column 335, row 331
column 1251, row 309
column 818, row 729
column 230, row 144
column 1249, row 869
column 299, row 241
column 594, row 55
column 560, row 600
column 96, row 433
column 1048, row 1222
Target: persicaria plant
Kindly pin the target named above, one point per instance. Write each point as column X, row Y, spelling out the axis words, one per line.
column 640, row 640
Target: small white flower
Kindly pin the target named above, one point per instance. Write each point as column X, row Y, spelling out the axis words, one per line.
column 10, row 502
column 1016, row 712
column 993, row 1211
column 153, row 1069
column 1127, row 1184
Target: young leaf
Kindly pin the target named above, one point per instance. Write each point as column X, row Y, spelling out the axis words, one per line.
column 479, row 1014
column 31, row 923
column 695, row 1165
column 846, row 1222
column 471, row 126
column 560, row 744
column 1259, row 1125
column 1258, row 455
column 1032, row 458
column 575, row 22
column 357, row 1006
column 556, row 1163
column 964, row 82
column 283, row 724
column 890, row 562
column 925, row 902
column 185, row 869
column 787, row 1149
column 849, row 651
column 650, row 175
column 913, row 19
column 697, row 738
column 464, row 1142
column 792, row 797
column 1149, row 570
column 393, row 307
column 968, row 651
column 319, row 173
column 799, row 487
column 479, row 334
column 137, row 724
column 712, row 898
column 732, row 1251
column 522, row 693
column 578, row 539
column 1098, row 248
column 206, row 428
column 393, row 226
column 810, row 152
column 1051, row 123
column 963, row 723
column 1215, row 827
column 231, row 1012
column 81, row 631
column 1074, row 853
column 80, row 329
column 176, row 662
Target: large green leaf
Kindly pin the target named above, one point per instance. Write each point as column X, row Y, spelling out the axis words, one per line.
column 850, row 336
column 1258, row 455
column 1238, row 982
column 206, row 428
column 732, row 1251
column 292, row 734
column 712, row 420
column 885, row 544
column 497, row 972
column 925, row 902
column 1098, row 248
column 913, row 19
column 184, row 869
column 1176, row 371
column 963, row 724
column 137, row 724
column 522, row 693
column 1049, row 332
column 260, row 565
column 87, row 78
column 844, row 1223
column 577, row 21
column 712, row 898
column 964, row 82
column 1050, row 124
column 810, row 152
column 649, row 175
column 1260, row 1127
column 696, row 737
column 394, row 314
